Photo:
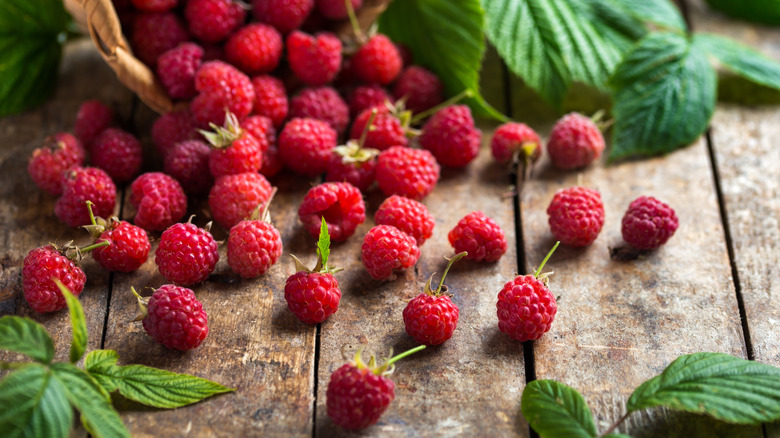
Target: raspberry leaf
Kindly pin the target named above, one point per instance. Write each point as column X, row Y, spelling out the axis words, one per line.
column 761, row 11
column 556, row 410
column 78, row 323
column 33, row 404
column 23, row 335
column 740, row 59
column 147, row 385
column 728, row 388
column 323, row 245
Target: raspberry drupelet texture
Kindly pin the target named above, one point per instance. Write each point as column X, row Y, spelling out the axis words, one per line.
column 420, row 87
column 188, row 163
column 233, row 197
column 253, row 247
column 119, row 153
column 340, row 203
column 158, row 199
column 82, row 184
column 408, row 215
column 271, row 99
column 305, row 146
column 336, row 9
column 128, row 247
column 451, row 137
column 172, row 128
column 387, row 249
column 186, row 254
column 386, row 130
column 322, row 103
column 378, row 61
column 92, row 118
column 515, row 138
column 407, row 172
column 576, row 216
column 272, row 164
column 315, row 60
column 261, row 127
column 41, row 266
column 480, row 236
column 212, row 21
column 221, row 86
column 648, row 223
column 255, row 49
column 575, row 141
column 59, row 153
column 312, row 296
column 356, row 397
column 239, row 153
column 366, row 97
column 526, row 308
column 154, row 34
column 176, row 69
column 154, row 5
column 284, row 15
column 175, row 318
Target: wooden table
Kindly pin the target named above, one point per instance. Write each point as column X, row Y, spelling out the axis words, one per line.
column 713, row 287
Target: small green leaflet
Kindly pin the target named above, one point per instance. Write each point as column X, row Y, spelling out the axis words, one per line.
column 762, row 11
column 150, row 386
column 446, row 37
column 740, row 59
column 723, row 386
column 78, row 323
column 323, row 244
column 556, row 410
column 664, row 93
column 23, row 335
column 33, row 404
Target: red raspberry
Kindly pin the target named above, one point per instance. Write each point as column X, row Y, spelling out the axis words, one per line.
column 155, row 5
column 172, row 128
column 186, row 254
column 515, row 139
column 119, row 153
column 336, row 9
column 221, row 87
column 271, row 99
column 159, row 201
column 366, row 97
column 212, row 21
column 386, row 132
column 312, row 296
column 575, row 141
column 253, row 247
column 323, row 103
column 451, row 136
column 175, row 318
column 233, row 197
column 526, row 308
column 407, row 215
column 576, row 216
column 386, row 249
column 128, row 249
column 377, row 61
column 272, row 164
column 480, row 236
column 648, row 223
column 421, row 88
column 176, row 69
column 155, row 33
column 406, row 54
column 314, row 60
column 261, row 128
column 188, row 163
column 305, row 146
column 339, row 203
column 407, row 172
column 284, row 15
column 93, row 118
column 59, row 153
column 82, row 184
column 41, row 266
column 352, row 164
column 235, row 150
column 256, row 48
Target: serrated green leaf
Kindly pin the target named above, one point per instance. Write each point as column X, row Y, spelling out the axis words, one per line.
column 663, row 13
column 741, row 59
column 323, row 244
column 23, row 335
column 723, row 386
column 150, row 386
column 91, row 400
column 761, row 11
column 664, row 95
column 556, row 410
column 445, row 36
column 78, row 323
column 32, row 404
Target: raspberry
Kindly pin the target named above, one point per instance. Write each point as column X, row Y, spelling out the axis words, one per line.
column 128, row 249
column 314, row 60
column 271, row 99
column 155, row 5
column 188, row 163
column 262, row 129
column 212, row 21
column 323, row 103
column 233, row 197
column 420, row 87
column 339, row 203
column 385, row 133
column 407, row 172
column 648, row 223
column 235, row 150
column 93, row 118
column 406, row 54
column 119, row 153
column 386, row 249
column 305, row 146
column 576, row 216
column 336, row 9
column 352, row 164
column 515, row 140
column 41, row 266
column 575, row 141
column 377, row 61
column 284, row 15
column 480, row 236
column 221, row 87
column 59, row 153
column 159, row 201
column 256, row 48
column 526, row 308
column 176, row 69
column 172, row 128
column 407, row 215
column 155, row 33
column 175, row 318
column 272, row 164
column 366, row 97
column 253, row 247
column 82, row 184
column 451, row 136
column 186, row 254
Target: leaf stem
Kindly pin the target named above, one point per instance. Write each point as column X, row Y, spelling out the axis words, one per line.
column 404, row 354
column 451, row 101
column 368, row 127
column 547, row 257
column 617, row 423
column 361, row 37
column 452, row 260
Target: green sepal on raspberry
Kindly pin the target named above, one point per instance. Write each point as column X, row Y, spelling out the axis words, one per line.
column 442, row 289
column 544, row 277
column 387, row 367
column 323, row 253
column 223, row 136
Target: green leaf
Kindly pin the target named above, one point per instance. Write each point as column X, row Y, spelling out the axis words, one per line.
column 663, row 13
column 445, row 36
column 150, row 386
column 323, row 244
column 741, row 59
column 91, row 400
column 616, row 435
column 556, row 410
column 723, row 386
column 23, row 335
column 32, row 404
column 664, row 95
column 78, row 323
column 762, row 11
column 31, row 32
